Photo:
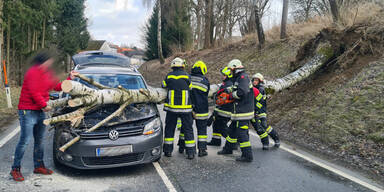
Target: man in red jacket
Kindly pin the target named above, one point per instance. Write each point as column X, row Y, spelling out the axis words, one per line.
column 38, row 81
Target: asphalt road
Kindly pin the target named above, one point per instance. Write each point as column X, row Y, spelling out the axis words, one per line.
column 273, row 170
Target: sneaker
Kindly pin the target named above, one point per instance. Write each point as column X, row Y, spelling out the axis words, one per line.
column 42, row 170
column 16, row 174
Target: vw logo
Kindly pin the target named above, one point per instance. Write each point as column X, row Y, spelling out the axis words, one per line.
column 113, row 135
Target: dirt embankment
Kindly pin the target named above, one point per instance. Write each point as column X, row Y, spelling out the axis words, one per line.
column 338, row 111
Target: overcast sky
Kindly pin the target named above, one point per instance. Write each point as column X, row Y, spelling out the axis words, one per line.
column 122, row 21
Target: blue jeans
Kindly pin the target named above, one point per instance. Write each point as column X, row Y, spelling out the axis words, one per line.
column 31, row 124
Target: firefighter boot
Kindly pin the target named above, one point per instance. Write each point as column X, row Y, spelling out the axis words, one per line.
column 265, row 142
column 227, row 149
column 235, row 146
column 275, row 137
column 202, row 152
column 246, row 155
column 181, row 145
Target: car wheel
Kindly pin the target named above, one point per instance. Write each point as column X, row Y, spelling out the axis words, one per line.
column 55, row 149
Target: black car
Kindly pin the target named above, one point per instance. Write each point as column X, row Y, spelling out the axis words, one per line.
column 133, row 138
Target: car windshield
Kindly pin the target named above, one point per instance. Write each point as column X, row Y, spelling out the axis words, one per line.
column 101, row 59
column 114, row 80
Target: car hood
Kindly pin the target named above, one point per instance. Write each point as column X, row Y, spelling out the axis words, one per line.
column 134, row 114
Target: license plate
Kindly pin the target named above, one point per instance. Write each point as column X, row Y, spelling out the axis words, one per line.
column 113, row 151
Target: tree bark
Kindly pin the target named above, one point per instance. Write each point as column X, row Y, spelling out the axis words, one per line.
column 43, row 35
column 1, row 40
column 207, row 26
column 259, row 27
column 159, row 45
column 334, row 10
column 300, row 74
column 8, row 43
column 284, row 19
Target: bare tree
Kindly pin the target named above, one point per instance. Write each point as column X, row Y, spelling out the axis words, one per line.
column 159, row 44
column 208, row 28
column 334, row 11
column 284, row 19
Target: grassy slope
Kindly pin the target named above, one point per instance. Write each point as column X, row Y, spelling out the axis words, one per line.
column 337, row 112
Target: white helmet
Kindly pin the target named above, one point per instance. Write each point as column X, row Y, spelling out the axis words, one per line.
column 258, row 76
column 178, row 62
column 235, row 64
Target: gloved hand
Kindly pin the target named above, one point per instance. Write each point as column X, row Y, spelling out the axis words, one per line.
column 229, row 89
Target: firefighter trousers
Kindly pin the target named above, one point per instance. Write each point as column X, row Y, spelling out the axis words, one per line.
column 260, row 130
column 202, row 136
column 262, row 122
column 238, row 132
column 220, row 128
column 170, row 125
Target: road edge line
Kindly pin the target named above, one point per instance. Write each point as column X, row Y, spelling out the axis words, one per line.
column 164, row 177
column 9, row 136
column 329, row 168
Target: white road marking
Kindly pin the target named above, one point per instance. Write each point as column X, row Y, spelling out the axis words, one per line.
column 164, row 177
column 9, row 136
column 329, row 168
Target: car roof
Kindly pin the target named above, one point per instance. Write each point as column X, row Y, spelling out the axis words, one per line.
column 98, row 52
column 108, row 70
column 82, row 56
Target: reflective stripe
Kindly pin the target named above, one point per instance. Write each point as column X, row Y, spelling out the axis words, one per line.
column 243, row 116
column 262, row 115
column 231, row 140
column 216, row 135
column 177, row 110
column 259, row 105
column 164, row 84
column 178, row 106
column 259, row 96
column 199, row 88
column 269, row 129
column 253, row 120
column 202, row 116
column 172, row 97
column 198, row 84
column 234, row 95
column 178, row 77
column 190, row 85
column 265, row 134
column 183, row 97
column 179, row 124
column 245, row 144
column 168, row 140
column 182, row 134
column 190, row 143
column 223, row 113
column 202, row 137
column 244, row 127
column 195, row 78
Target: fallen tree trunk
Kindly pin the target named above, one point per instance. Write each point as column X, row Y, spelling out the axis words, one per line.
column 87, row 98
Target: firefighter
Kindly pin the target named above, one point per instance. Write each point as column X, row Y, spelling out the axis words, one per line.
column 260, row 120
column 199, row 96
column 222, row 113
column 178, row 104
column 242, row 113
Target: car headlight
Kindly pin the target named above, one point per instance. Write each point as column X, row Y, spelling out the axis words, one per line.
column 152, row 127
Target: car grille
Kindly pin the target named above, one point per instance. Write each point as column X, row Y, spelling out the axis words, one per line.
column 123, row 132
column 127, row 158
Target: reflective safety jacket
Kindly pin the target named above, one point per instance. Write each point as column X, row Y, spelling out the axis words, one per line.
column 227, row 109
column 199, row 94
column 243, row 94
column 260, row 101
column 178, row 98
